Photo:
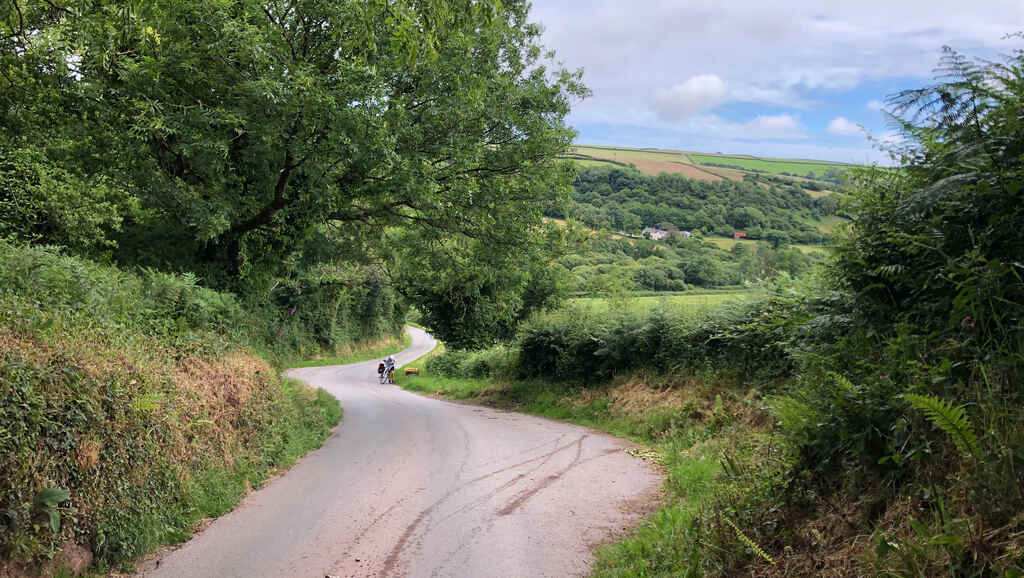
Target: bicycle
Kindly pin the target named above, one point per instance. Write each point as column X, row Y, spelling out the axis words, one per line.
column 385, row 374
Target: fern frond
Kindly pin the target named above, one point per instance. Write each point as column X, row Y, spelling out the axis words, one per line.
column 750, row 543
column 950, row 419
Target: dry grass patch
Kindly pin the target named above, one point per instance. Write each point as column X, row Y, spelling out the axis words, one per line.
column 636, row 396
column 231, row 379
column 27, row 349
column 702, row 400
column 89, row 452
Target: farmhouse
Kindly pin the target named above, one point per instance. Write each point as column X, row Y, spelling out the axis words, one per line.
column 739, row 235
column 655, row 234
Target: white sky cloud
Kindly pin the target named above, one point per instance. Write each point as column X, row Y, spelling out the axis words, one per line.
column 715, row 127
column 842, row 127
column 774, row 127
column 697, row 94
column 771, row 96
column 670, row 61
column 876, row 105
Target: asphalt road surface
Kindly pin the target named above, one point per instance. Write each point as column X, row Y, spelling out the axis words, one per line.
column 407, row 485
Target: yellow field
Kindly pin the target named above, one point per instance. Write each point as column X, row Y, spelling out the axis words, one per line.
column 651, row 162
column 626, row 154
column 811, row 248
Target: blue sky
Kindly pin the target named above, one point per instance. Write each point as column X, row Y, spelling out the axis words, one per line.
column 794, row 78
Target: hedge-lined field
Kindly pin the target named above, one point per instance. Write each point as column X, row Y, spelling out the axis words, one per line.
column 789, row 166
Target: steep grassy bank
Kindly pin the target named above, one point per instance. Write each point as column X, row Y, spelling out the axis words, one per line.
column 131, row 407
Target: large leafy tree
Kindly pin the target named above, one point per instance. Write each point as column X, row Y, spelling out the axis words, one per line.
column 248, row 130
column 54, row 186
column 473, row 292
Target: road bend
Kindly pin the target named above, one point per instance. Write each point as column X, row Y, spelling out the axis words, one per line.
column 407, row 485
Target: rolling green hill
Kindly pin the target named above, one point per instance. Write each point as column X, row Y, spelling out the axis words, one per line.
column 815, row 176
column 794, row 167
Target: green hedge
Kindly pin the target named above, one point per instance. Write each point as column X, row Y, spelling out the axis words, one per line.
column 742, row 340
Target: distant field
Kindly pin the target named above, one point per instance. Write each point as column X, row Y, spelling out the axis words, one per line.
column 562, row 223
column 811, row 248
column 725, row 173
column 728, row 243
column 593, row 163
column 819, row 194
column 700, row 165
column 791, row 166
column 648, row 161
column 830, row 223
column 676, row 302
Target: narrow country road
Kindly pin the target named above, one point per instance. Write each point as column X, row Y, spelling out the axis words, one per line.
column 413, row 486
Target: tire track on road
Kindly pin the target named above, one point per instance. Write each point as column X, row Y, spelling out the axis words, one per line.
column 392, row 560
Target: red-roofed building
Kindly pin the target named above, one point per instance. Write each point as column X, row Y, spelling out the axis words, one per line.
column 739, row 235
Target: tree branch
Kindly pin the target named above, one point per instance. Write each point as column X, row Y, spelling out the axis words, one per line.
column 284, row 31
column 280, row 201
column 21, row 18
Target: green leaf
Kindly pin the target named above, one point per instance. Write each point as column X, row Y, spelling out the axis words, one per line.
column 950, row 419
column 54, row 519
column 50, row 497
column 883, row 548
